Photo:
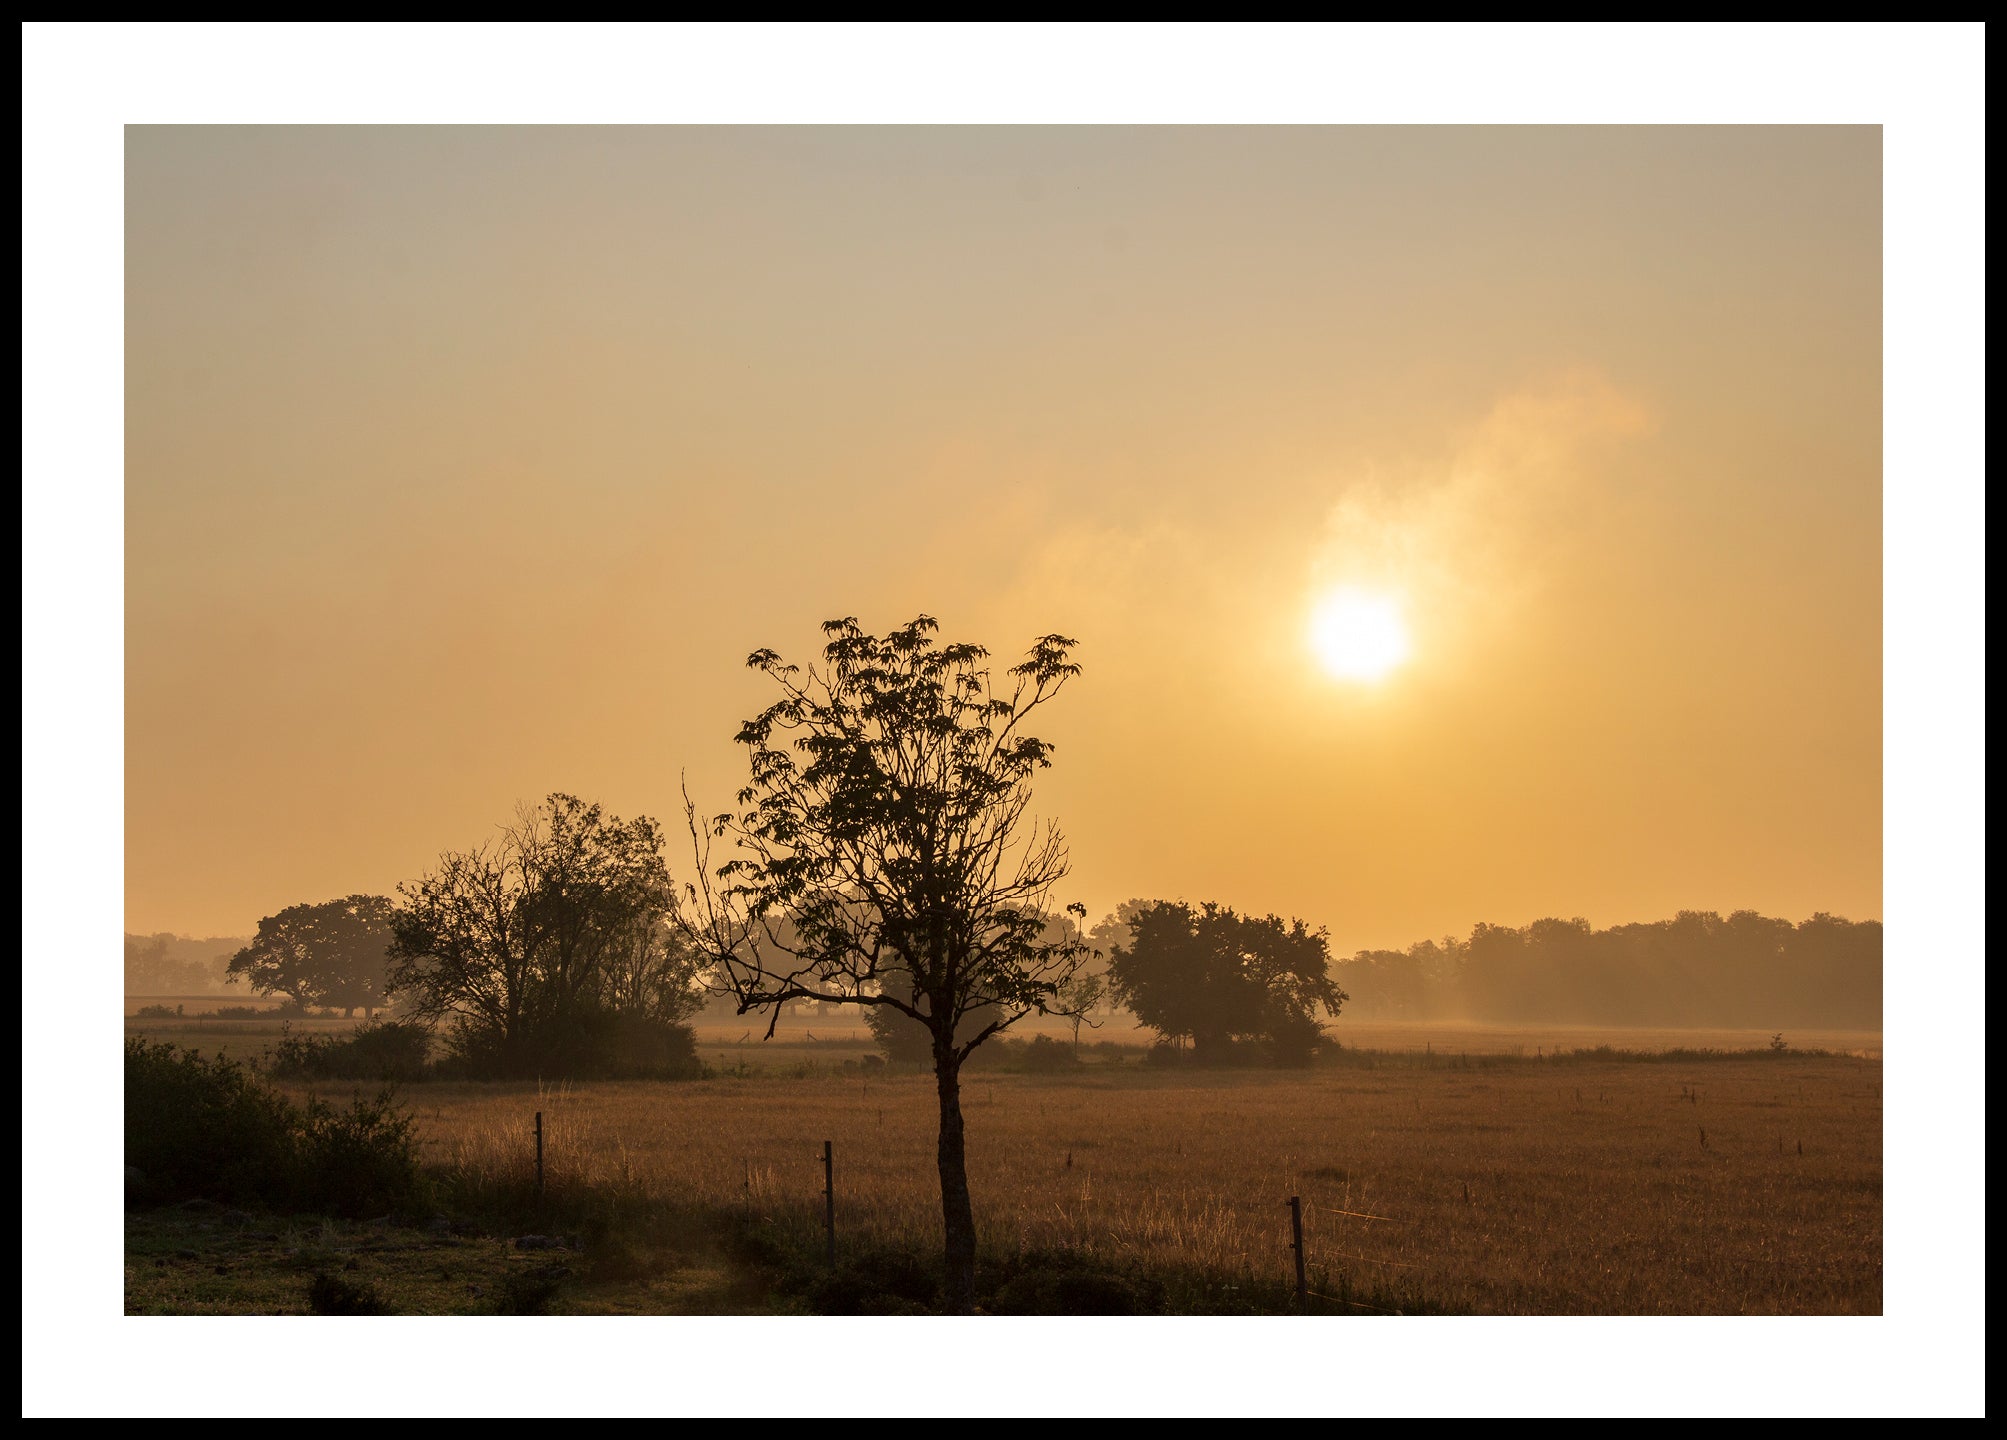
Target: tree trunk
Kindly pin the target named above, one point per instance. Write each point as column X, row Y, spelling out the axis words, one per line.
column 958, row 1220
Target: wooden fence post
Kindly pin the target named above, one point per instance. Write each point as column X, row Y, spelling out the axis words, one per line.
column 1296, row 1244
column 540, row 1153
column 829, row 1200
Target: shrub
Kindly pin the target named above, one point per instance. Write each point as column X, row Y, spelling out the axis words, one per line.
column 597, row 1045
column 157, row 1012
column 362, row 1160
column 1045, row 1055
column 877, row 1282
column 530, row 1291
column 332, row 1295
column 1040, row 1055
column 203, row 1128
column 1060, row 1282
column 635, row 1047
column 385, row 1052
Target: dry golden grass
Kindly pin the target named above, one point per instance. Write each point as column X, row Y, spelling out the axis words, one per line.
column 1509, row 1187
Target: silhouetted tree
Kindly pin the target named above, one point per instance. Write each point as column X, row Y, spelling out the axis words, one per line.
column 1216, row 977
column 1080, row 995
column 885, row 824
column 332, row 954
column 539, row 945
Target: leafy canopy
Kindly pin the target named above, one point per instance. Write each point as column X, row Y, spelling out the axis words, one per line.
column 1215, row 977
column 559, row 917
column 884, row 855
column 330, row 954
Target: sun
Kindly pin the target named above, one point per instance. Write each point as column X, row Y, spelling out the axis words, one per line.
column 1358, row 634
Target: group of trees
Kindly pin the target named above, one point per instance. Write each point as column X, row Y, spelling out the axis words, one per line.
column 549, row 949
column 546, row 950
column 167, row 964
column 882, row 856
column 1698, row 968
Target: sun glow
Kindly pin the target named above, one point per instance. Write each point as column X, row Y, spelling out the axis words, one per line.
column 1358, row 634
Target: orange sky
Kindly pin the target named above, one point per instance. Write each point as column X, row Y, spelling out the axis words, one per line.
column 468, row 464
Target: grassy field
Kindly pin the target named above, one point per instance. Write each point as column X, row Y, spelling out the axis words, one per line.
column 1500, row 1186
column 1487, row 1170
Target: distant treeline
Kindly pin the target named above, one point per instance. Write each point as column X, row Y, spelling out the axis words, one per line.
column 1745, row 971
column 167, row 964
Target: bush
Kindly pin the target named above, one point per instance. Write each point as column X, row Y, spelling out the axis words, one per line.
column 202, row 1128
column 332, row 1295
column 634, row 1047
column 599, row 1045
column 530, row 1291
column 386, row 1052
column 157, row 1012
column 1060, row 1282
column 1040, row 1055
column 362, row 1160
column 1045, row 1055
column 877, row 1282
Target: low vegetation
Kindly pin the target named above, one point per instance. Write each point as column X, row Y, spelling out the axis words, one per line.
column 1595, row 1181
column 208, row 1128
column 385, row 1051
